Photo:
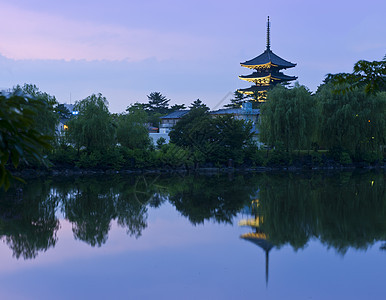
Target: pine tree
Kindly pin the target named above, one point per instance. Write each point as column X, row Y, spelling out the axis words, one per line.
column 158, row 103
column 199, row 104
column 237, row 100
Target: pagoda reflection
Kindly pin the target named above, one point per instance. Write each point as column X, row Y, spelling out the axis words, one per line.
column 257, row 236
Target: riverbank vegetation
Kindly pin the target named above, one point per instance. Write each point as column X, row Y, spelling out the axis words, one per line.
column 343, row 123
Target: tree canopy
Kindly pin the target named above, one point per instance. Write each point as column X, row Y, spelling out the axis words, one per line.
column 46, row 117
column 353, row 121
column 288, row 118
column 131, row 128
column 237, row 100
column 158, row 103
column 369, row 75
column 20, row 138
column 93, row 127
column 199, row 104
column 214, row 139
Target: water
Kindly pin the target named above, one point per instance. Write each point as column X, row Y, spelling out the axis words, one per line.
column 308, row 236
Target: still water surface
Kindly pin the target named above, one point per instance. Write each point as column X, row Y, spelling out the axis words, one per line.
column 308, row 236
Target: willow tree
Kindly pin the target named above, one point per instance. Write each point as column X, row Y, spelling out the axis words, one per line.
column 132, row 130
column 354, row 121
column 93, row 127
column 288, row 118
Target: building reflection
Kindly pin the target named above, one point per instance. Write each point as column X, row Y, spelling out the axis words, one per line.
column 257, row 236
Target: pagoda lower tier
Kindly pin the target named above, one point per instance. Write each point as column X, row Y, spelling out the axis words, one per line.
column 254, row 89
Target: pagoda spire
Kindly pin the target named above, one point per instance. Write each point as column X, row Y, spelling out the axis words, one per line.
column 266, row 73
column 268, row 36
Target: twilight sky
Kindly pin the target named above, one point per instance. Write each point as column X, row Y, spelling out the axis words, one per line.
column 186, row 50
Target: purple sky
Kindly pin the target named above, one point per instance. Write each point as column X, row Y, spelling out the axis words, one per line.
column 183, row 49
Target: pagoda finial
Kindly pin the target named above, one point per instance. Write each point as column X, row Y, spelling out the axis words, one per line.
column 268, row 36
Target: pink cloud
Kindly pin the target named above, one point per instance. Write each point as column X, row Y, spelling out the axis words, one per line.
column 38, row 35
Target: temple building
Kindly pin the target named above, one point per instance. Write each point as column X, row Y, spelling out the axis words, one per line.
column 266, row 67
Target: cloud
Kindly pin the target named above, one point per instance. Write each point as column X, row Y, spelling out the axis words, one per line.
column 35, row 35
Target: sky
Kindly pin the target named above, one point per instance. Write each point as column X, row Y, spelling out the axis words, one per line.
column 186, row 50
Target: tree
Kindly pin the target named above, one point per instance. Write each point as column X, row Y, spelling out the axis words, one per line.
column 176, row 107
column 352, row 121
column 198, row 104
column 237, row 101
column 93, row 127
column 47, row 117
column 231, row 137
column 158, row 103
column 288, row 118
column 369, row 75
column 131, row 128
column 19, row 138
column 63, row 111
column 193, row 130
column 31, row 223
column 212, row 139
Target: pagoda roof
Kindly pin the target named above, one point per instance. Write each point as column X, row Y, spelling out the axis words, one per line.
column 274, row 76
column 267, row 59
column 254, row 88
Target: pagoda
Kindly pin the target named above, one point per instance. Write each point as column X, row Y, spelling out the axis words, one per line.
column 266, row 73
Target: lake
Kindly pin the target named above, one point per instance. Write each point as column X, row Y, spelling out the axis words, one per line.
column 229, row 236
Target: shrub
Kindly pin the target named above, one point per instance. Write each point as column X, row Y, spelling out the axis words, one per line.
column 345, row 158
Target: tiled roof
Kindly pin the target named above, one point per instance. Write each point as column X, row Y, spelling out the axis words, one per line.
column 235, row 111
column 176, row 114
column 269, row 57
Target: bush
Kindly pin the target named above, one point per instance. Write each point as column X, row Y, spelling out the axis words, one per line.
column 278, row 158
column 253, row 156
column 316, row 158
column 161, row 141
column 174, row 156
column 89, row 160
column 64, row 155
column 112, row 159
column 345, row 158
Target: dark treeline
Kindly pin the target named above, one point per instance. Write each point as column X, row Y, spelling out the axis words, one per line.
column 346, row 118
column 342, row 210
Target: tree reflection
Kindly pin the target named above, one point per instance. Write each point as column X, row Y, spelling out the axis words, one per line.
column 89, row 206
column 27, row 219
column 342, row 210
column 216, row 198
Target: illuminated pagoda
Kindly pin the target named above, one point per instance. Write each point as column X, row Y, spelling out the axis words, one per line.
column 266, row 73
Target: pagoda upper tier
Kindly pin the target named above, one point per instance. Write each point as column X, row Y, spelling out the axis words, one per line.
column 267, row 73
column 267, row 60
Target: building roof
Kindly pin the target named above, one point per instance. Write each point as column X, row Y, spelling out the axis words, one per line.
column 176, row 114
column 275, row 76
column 255, row 88
column 267, row 59
column 235, row 111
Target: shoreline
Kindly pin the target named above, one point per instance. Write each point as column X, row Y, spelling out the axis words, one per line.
column 30, row 173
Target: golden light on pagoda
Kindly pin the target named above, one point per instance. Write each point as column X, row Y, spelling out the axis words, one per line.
column 267, row 66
